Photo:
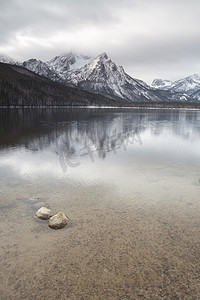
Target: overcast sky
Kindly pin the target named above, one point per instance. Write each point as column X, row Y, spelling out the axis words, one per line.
column 149, row 38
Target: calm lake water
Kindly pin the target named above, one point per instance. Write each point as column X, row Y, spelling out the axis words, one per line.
column 129, row 180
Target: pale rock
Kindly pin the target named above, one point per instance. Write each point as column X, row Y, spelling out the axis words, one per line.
column 58, row 221
column 34, row 199
column 44, row 213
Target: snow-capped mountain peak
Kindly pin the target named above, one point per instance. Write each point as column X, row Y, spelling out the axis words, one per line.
column 185, row 89
column 187, row 84
column 35, row 65
column 64, row 63
column 194, row 77
column 104, row 76
column 182, row 85
column 7, row 60
column 103, row 55
column 98, row 65
column 40, row 68
column 160, row 83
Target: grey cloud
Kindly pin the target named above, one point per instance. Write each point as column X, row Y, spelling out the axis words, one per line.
column 42, row 19
column 19, row 14
column 148, row 37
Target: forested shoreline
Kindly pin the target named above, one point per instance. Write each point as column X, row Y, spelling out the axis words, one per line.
column 22, row 88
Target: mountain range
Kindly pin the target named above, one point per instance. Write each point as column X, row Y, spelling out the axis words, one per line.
column 100, row 75
column 20, row 87
column 189, row 87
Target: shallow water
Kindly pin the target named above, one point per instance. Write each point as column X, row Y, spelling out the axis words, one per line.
column 128, row 180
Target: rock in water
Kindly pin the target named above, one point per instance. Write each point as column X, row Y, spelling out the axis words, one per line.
column 34, row 199
column 44, row 213
column 58, row 221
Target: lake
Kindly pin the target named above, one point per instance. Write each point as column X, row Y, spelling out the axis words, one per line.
column 129, row 181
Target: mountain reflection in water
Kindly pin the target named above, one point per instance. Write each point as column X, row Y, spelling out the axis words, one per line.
column 75, row 135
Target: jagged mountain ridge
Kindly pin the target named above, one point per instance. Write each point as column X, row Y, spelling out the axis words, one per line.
column 64, row 63
column 101, row 75
column 104, row 76
column 161, row 84
column 41, row 68
column 7, row 60
column 186, row 89
column 58, row 67
column 22, row 87
column 187, row 84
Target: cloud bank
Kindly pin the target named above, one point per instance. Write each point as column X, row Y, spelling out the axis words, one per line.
column 150, row 38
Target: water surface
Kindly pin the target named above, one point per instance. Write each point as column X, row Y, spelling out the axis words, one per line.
column 128, row 180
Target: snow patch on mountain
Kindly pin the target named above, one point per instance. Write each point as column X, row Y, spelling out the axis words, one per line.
column 7, row 60
column 160, row 83
column 185, row 89
column 190, row 83
column 39, row 67
column 104, row 76
column 64, row 63
column 186, row 84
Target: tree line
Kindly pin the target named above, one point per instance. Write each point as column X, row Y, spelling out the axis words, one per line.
column 22, row 88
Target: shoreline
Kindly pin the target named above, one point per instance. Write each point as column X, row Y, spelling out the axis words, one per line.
column 101, row 107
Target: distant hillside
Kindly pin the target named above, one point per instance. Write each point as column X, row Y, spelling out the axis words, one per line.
column 21, row 87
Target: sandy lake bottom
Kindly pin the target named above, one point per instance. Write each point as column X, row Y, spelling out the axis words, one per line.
column 134, row 230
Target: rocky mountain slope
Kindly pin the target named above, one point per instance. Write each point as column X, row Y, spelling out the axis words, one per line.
column 161, row 84
column 64, row 63
column 102, row 76
column 99, row 75
column 185, row 89
column 41, row 68
column 190, row 83
column 21, row 87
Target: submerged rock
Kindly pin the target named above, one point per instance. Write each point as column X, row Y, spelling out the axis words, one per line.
column 34, row 199
column 58, row 221
column 44, row 213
